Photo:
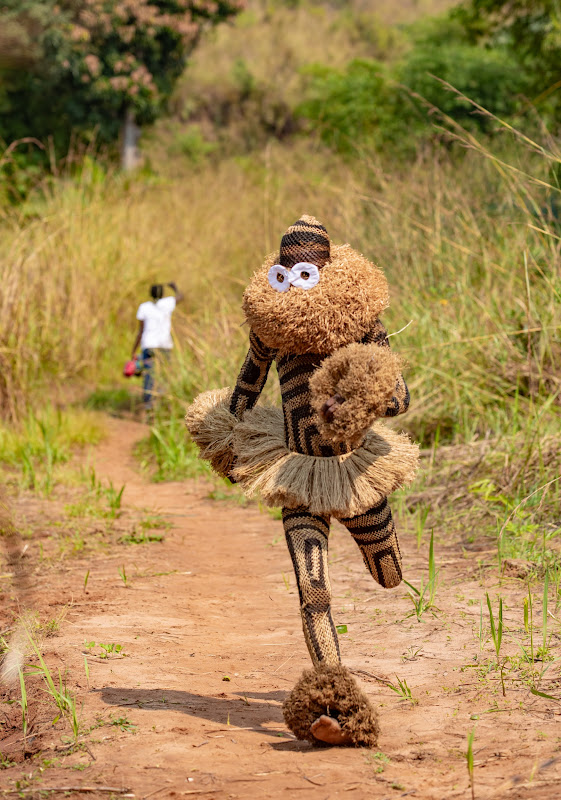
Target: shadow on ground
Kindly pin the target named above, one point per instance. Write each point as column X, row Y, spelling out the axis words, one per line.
column 223, row 709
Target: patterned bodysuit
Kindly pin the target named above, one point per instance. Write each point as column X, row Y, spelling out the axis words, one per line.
column 307, row 534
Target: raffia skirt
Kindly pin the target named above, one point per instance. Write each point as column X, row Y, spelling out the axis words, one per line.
column 254, row 453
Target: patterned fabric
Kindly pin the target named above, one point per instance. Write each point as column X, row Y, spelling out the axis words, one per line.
column 375, row 534
column 306, row 240
column 301, row 432
column 302, row 435
column 252, row 377
column 307, row 537
column 307, row 534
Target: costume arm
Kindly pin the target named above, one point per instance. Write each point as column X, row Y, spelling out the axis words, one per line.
column 252, row 377
column 400, row 400
column 213, row 416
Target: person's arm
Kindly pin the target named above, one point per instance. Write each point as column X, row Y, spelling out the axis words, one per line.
column 252, row 377
column 178, row 294
column 138, row 337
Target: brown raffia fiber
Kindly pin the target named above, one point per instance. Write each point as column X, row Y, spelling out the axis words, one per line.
column 344, row 485
column 340, row 309
column 211, row 425
column 365, row 375
column 331, row 690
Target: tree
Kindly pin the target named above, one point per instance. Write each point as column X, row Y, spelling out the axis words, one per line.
column 76, row 67
column 531, row 30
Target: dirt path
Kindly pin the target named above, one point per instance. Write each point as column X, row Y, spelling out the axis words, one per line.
column 210, row 627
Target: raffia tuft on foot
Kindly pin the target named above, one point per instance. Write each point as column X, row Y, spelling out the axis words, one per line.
column 331, row 690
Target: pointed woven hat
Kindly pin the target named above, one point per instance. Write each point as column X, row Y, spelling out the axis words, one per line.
column 307, row 240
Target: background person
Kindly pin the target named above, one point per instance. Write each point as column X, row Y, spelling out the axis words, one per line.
column 154, row 333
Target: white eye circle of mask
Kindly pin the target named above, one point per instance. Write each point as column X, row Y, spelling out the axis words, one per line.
column 279, row 278
column 302, row 275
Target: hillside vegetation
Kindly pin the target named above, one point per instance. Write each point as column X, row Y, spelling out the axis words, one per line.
column 273, row 118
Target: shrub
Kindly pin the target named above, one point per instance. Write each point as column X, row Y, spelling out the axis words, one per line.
column 492, row 78
column 353, row 106
column 366, row 102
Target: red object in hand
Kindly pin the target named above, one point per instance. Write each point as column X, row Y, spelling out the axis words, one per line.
column 130, row 368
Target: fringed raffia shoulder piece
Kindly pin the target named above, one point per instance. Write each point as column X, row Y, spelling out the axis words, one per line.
column 351, row 293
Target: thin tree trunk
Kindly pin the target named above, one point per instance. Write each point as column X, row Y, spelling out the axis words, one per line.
column 130, row 154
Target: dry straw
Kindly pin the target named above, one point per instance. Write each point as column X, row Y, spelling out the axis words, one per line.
column 340, row 309
column 331, row 690
column 344, row 485
column 366, row 375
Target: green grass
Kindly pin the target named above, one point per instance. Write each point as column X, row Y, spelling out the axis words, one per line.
column 423, row 596
column 99, row 500
column 168, row 453
column 114, row 400
column 37, row 446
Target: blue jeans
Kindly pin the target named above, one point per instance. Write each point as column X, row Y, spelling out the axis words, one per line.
column 150, row 357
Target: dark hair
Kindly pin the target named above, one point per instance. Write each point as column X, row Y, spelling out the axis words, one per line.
column 157, row 291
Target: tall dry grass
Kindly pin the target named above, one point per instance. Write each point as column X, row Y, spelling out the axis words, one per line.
column 470, row 243
column 470, row 248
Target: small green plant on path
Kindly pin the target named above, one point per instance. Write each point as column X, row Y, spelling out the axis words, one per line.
column 123, row 723
column 482, row 630
column 402, row 689
column 411, row 653
column 529, row 626
column 5, row 763
column 140, row 537
column 124, row 578
column 420, row 522
column 469, row 759
column 59, row 694
column 100, row 501
column 423, row 597
column 543, row 652
column 23, row 704
column 379, row 761
column 107, row 650
column 497, row 635
column 114, row 499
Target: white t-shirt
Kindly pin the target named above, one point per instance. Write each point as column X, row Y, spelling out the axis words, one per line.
column 157, row 323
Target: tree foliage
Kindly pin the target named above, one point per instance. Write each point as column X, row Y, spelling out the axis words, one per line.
column 72, row 67
column 369, row 102
column 531, row 31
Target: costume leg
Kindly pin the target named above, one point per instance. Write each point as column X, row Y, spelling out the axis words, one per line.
column 375, row 534
column 307, row 538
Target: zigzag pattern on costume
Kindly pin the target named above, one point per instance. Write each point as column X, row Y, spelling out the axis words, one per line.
column 307, row 538
column 328, row 454
column 376, row 537
column 307, row 534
